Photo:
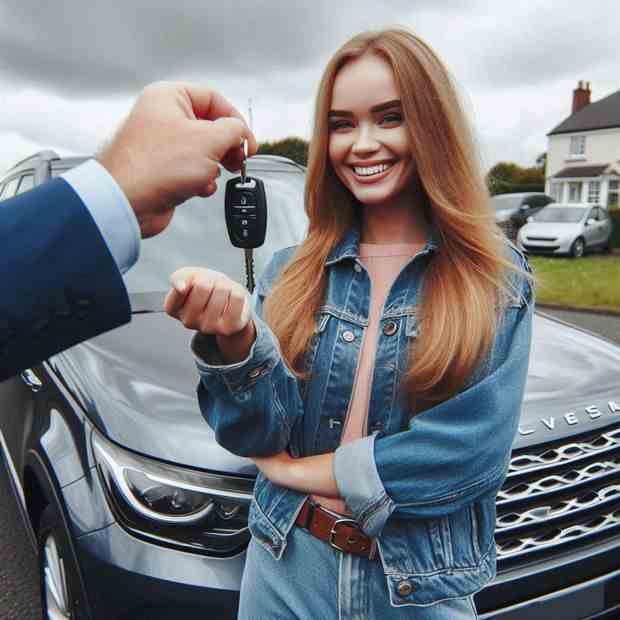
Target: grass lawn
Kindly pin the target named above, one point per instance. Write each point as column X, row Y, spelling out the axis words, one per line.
column 592, row 281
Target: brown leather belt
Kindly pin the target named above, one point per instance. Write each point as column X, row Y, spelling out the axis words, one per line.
column 341, row 533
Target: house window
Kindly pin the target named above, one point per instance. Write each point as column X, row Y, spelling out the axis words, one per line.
column 574, row 191
column 577, row 146
column 556, row 191
column 594, row 192
column 612, row 194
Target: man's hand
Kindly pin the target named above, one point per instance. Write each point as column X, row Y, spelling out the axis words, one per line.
column 169, row 148
column 213, row 304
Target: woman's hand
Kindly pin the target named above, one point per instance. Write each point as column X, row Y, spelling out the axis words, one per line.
column 208, row 301
column 309, row 474
column 213, row 304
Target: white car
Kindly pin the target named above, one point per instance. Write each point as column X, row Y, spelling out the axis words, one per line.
column 571, row 229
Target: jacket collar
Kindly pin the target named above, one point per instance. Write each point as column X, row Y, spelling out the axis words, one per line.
column 348, row 246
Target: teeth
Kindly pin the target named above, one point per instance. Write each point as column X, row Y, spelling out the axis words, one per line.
column 365, row 172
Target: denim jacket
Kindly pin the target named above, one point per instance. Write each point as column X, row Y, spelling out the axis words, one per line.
column 425, row 488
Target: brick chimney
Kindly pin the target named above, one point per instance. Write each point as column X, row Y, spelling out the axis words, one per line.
column 581, row 96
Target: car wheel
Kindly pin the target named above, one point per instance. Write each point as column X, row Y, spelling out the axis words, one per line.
column 578, row 248
column 57, row 570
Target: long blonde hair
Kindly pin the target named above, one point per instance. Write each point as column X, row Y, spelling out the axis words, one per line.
column 464, row 282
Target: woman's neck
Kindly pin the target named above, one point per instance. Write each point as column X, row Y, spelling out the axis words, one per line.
column 400, row 221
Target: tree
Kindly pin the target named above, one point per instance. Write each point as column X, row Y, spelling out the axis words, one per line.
column 294, row 148
column 508, row 177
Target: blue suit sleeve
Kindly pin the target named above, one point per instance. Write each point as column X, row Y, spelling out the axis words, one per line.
column 61, row 284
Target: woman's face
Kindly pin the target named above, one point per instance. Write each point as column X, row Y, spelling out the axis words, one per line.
column 368, row 139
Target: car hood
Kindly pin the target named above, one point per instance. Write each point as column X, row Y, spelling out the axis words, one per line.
column 137, row 384
column 550, row 228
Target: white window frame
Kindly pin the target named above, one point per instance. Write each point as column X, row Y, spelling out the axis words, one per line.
column 571, row 186
column 577, row 147
column 594, row 192
column 556, row 190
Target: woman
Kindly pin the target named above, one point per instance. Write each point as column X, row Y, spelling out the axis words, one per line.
column 378, row 382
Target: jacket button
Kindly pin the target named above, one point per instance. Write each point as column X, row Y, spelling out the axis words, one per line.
column 254, row 373
column 349, row 336
column 405, row 588
column 390, row 328
column 357, row 267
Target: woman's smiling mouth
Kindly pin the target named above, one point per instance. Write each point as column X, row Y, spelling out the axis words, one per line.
column 369, row 174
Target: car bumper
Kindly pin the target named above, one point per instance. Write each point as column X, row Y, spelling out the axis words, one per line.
column 598, row 598
column 127, row 578
column 544, row 247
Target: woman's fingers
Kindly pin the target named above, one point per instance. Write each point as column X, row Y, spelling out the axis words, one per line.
column 207, row 301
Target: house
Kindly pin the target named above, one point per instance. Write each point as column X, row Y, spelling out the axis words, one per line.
column 583, row 156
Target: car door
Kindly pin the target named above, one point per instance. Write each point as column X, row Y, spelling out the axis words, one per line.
column 589, row 228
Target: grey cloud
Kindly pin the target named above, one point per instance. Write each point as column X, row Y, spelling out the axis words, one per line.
column 73, row 46
column 543, row 42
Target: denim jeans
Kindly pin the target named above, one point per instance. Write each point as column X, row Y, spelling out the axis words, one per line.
column 314, row 581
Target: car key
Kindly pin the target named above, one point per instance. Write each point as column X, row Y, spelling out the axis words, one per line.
column 246, row 215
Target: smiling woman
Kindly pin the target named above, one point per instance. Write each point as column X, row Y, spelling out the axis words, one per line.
column 378, row 382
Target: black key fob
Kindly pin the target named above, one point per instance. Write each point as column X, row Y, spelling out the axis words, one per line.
column 246, row 212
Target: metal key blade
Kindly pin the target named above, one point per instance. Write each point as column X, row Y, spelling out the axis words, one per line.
column 249, row 269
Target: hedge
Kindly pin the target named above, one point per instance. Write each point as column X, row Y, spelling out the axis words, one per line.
column 614, row 212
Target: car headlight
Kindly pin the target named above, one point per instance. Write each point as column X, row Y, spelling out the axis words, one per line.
column 173, row 505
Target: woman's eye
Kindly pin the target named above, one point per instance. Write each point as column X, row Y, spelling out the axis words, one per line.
column 339, row 124
column 392, row 117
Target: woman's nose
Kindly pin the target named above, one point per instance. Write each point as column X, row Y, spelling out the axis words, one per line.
column 365, row 142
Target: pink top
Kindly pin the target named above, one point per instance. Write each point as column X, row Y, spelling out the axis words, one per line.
column 383, row 262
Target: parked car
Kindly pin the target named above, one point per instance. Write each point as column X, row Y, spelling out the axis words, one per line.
column 572, row 229
column 512, row 210
column 137, row 512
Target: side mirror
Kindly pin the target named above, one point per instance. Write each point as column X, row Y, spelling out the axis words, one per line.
column 530, row 218
column 590, row 221
column 524, row 207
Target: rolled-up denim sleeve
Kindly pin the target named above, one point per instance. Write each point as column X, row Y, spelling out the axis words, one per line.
column 251, row 405
column 451, row 453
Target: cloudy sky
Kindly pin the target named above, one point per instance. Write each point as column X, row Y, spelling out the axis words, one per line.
column 71, row 69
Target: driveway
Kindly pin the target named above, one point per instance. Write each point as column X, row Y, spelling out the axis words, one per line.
column 605, row 325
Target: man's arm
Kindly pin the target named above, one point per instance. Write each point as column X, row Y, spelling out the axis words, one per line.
column 63, row 247
column 61, row 283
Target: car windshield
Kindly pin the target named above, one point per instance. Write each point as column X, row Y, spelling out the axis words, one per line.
column 197, row 235
column 560, row 214
column 506, row 201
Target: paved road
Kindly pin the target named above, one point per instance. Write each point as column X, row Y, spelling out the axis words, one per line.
column 18, row 586
column 19, row 599
column 608, row 326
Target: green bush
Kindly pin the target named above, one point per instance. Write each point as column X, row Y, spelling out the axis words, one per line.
column 614, row 212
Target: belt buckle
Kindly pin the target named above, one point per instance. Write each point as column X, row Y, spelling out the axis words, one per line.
column 332, row 532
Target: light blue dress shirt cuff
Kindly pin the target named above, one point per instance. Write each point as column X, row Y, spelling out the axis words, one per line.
column 110, row 209
column 360, row 486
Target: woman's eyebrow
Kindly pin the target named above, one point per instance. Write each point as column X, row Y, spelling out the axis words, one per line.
column 377, row 108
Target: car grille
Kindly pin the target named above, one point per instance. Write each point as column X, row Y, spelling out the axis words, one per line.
column 540, row 248
column 559, row 495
